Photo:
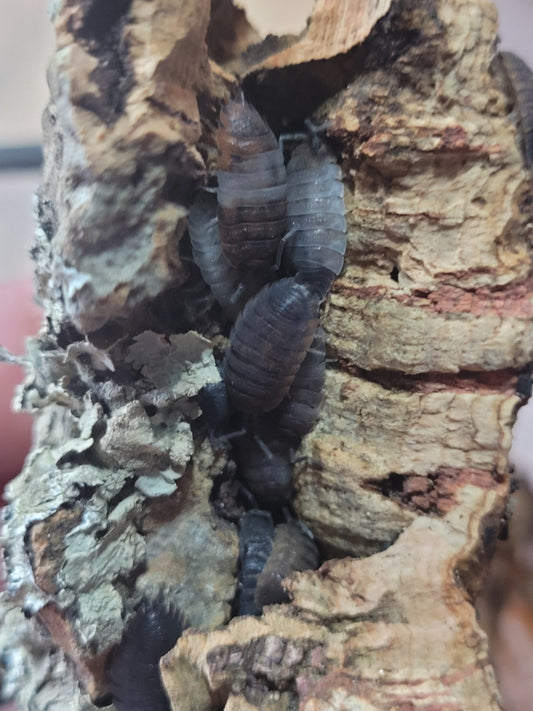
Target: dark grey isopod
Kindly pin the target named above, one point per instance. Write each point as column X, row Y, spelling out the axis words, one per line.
column 315, row 210
column 135, row 680
column 213, row 401
column 298, row 412
column 521, row 78
column 268, row 344
column 265, row 461
column 252, row 188
column 294, row 549
column 222, row 278
column 265, row 467
column 256, row 538
column 267, row 556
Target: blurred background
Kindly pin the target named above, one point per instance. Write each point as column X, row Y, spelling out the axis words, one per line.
column 26, row 44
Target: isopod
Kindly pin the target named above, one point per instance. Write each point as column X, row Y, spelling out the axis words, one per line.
column 524, row 385
column 315, row 215
column 222, row 278
column 135, row 680
column 268, row 344
column 252, row 188
column 256, row 538
column 265, row 458
column 213, row 401
column 298, row 412
column 294, row 549
column 521, row 78
column 265, row 467
column 267, row 556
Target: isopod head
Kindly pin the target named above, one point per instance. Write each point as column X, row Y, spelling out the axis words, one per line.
column 265, row 468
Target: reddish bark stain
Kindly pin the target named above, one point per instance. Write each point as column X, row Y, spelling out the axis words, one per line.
column 515, row 301
column 344, row 288
column 496, row 382
column 512, row 301
column 438, row 493
column 483, row 383
column 453, row 138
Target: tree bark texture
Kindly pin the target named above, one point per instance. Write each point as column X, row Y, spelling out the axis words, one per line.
column 403, row 481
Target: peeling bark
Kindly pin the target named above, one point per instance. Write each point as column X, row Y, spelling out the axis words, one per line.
column 404, row 481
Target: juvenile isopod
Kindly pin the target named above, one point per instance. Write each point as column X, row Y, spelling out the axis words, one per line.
column 135, row 680
column 521, row 78
column 268, row 344
column 315, row 215
column 256, row 537
column 252, row 189
column 222, row 278
column 294, row 549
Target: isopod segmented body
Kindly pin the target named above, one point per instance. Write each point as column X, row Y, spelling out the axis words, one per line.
column 294, row 549
column 135, row 680
column 267, row 556
column 265, row 467
column 256, row 538
column 265, row 459
column 521, row 78
column 268, row 344
column 298, row 412
column 252, row 188
column 213, row 401
column 315, row 211
column 222, row 278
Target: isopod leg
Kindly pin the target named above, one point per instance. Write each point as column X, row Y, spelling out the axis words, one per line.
column 237, row 293
column 281, row 246
column 314, row 132
column 295, row 137
column 247, row 494
column 233, row 435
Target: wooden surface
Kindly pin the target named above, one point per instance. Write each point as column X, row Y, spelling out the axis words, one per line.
column 405, row 479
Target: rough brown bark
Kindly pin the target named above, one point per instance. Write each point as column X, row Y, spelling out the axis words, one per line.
column 405, row 479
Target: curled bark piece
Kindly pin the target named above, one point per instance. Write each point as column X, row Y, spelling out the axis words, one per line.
column 334, row 27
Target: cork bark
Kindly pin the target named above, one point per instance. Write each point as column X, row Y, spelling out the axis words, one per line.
column 404, row 480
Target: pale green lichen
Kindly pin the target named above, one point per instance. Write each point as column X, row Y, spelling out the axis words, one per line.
column 106, row 449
